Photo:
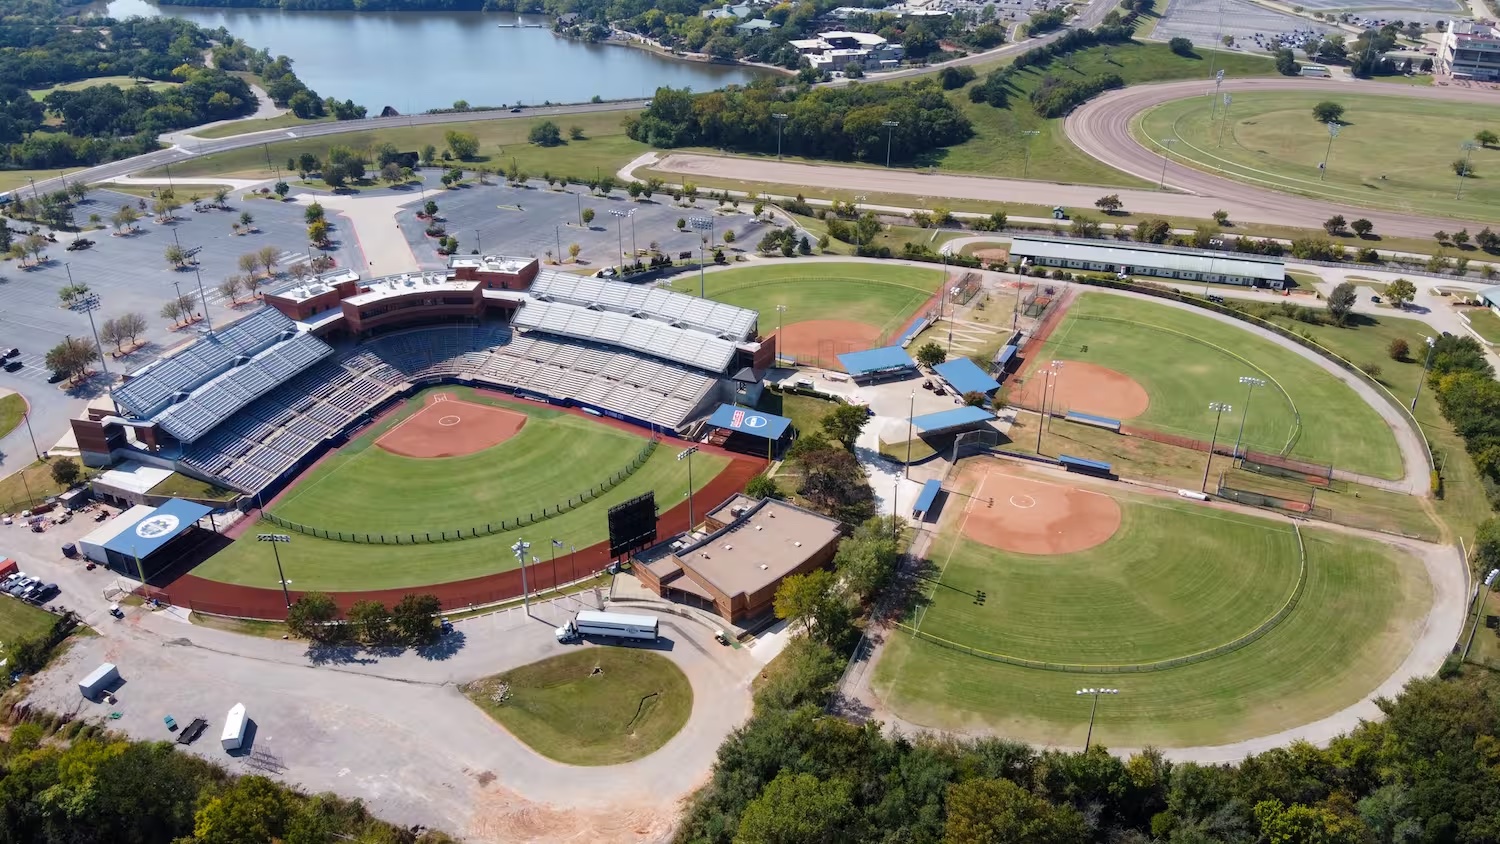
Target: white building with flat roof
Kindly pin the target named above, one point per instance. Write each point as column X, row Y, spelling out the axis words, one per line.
column 1470, row 50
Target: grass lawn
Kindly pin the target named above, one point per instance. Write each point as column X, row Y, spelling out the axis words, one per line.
column 12, row 408
column 1185, row 361
column 243, row 127
column 122, row 82
column 1393, row 152
column 36, row 479
column 20, row 619
column 1483, row 320
column 563, row 710
column 1351, row 627
column 605, row 148
column 366, row 489
column 881, row 295
column 892, row 237
column 805, row 412
column 182, row 486
column 145, row 191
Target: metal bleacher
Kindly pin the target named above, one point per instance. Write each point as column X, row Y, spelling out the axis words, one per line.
column 726, row 322
column 659, row 339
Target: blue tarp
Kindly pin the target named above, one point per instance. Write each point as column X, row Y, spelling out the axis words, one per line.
column 743, row 420
column 966, row 377
column 959, row 417
column 157, row 528
column 929, row 496
column 1101, row 421
column 871, row 361
column 911, row 333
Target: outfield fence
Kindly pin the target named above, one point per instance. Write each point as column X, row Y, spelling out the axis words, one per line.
column 1141, row 667
column 454, row 534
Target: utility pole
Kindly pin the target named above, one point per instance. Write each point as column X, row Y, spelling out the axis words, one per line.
column 780, row 119
column 1431, row 343
column 1250, row 383
column 1166, row 144
column 687, row 454
column 1468, row 150
column 26, row 417
column 1333, row 132
column 1219, row 409
column 1028, row 134
column 890, row 127
column 910, row 415
column 274, row 539
column 520, row 549
column 1092, row 710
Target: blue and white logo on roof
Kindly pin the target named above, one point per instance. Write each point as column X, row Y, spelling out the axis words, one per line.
column 160, row 524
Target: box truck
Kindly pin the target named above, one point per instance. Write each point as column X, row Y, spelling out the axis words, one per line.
column 609, row 625
column 234, row 728
column 98, row 680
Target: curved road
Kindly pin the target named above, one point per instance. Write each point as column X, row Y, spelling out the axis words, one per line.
column 1101, row 128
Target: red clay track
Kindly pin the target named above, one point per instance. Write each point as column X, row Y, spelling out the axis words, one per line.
column 1101, row 128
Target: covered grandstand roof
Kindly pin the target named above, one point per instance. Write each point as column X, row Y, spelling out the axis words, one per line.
column 1148, row 255
column 642, row 335
column 743, row 420
column 191, row 392
column 154, row 529
column 965, row 376
column 872, row 361
column 725, row 321
column 946, row 421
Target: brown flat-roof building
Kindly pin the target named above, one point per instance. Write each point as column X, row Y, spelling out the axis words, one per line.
column 734, row 571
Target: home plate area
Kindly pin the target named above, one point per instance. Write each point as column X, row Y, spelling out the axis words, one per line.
column 446, row 427
column 1026, row 516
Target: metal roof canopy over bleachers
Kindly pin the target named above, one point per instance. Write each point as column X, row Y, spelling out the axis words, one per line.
column 1266, row 268
column 872, row 361
column 966, row 377
column 725, row 321
column 694, row 348
column 948, row 421
column 155, row 386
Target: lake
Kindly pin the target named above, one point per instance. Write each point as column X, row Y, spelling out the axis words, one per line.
column 414, row 61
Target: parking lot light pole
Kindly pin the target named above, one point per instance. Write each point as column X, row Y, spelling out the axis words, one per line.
column 620, row 235
column 780, row 119
column 1250, row 383
column 1431, row 342
column 275, row 538
column 1029, row 134
column 701, row 225
column 1333, row 132
column 520, row 549
column 1468, row 150
column 1087, row 739
column 687, row 454
column 87, row 304
column 26, row 417
column 890, row 129
column 1219, row 408
column 1166, row 145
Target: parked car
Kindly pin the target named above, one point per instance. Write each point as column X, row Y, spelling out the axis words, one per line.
column 56, row 377
column 44, row 593
column 1375, row 299
column 13, row 364
column 9, row 353
column 516, row 110
column 79, row 243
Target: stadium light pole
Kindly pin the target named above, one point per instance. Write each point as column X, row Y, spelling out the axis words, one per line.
column 1333, row 132
column 910, row 415
column 556, row 544
column 1219, row 408
column 520, row 549
column 620, row 234
column 1468, row 150
column 1087, row 739
column 274, row 539
column 687, row 454
column 87, row 304
column 1056, row 366
column 701, row 225
column 1250, row 383
column 890, row 129
column 1028, row 135
column 1225, row 119
column 780, row 311
column 1166, row 145
column 780, row 118
column 1431, row 342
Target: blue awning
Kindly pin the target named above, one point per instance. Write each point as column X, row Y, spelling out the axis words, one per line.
column 1490, row 295
column 1005, row 356
column 927, row 498
column 743, row 420
column 966, row 377
column 950, row 420
column 157, row 528
column 871, row 361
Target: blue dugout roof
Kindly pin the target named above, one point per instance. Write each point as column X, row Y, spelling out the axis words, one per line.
column 871, row 361
column 966, row 377
column 947, row 420
column 157, row 528
column 928, row 497
column 743, row 420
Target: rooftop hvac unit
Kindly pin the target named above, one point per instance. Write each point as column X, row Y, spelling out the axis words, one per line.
column 798, row 544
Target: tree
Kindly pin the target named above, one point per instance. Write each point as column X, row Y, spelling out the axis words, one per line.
column 391, row 173
column 833, row 482
column 253, row 281
column 110, row 333
column 281, row 189
column 317, row 232
column 763, row 486
column 795, row 808
column 66, row 471
column 1328, row 111
column 1153, row 231
column 811, row 601
column 268, row 255
column 1300, row 824
column 371, row 621
column 231, row 287
column 172, row 310
column 72, row 356
column 1486, row 138
column 124, row 219
column 974, row 398
column 1286, row 62
column 1461, row 238
column 313, row 212
column 1335, row 224
column 176, row 256
column 1221, row 217
column 545, row 134
column 1341, row 302
column 310, row 617
column 1362, row 227
column 429, row 154
column 844, row 423
column 247, row 219
column 1181, row 46
column 1462, row 168
column 588, row 216
column 1400, row 291
column 463, row 145
column 930, row 354
column 251, row 809
column 1109, row 204
column 867, row 560
column 248, row 263
column 1084, row 226
column 1399, row 350
column 729, row 235
column 573, row 250
column 415, row 618
column 981, row 811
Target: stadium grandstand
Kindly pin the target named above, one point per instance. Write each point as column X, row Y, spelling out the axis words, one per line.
column 252, row 405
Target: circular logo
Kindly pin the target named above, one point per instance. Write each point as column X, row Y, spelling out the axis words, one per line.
column 755, row 422
column 156, row 526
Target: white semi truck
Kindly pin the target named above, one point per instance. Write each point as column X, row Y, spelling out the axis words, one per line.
column 609, row 625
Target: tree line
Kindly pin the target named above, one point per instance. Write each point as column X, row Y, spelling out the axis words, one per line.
column 860, row 122
column 1055, row 96
column 1469, row 397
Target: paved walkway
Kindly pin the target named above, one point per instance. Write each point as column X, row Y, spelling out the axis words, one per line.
column 373, row 219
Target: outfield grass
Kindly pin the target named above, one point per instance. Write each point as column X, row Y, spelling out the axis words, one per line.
column 122, row 82
column 20, row 619
column 562, row 710
column 1185, row 361
column 243, row 127
column 366, row 489
column 1393, row 152
column 1352, row 626
column 12, row 408
column 881, row 295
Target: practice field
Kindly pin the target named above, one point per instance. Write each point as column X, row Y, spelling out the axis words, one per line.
column 1176, row 579
column 1392, row 152
column 851, row 306
column 365, row 488
column 1184, row 361
column 593, row 706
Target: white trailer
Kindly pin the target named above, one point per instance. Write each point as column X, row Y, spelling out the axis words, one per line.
column 98, row 680
column 610, row 625
column 234, row 728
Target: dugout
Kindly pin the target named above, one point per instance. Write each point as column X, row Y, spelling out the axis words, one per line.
column 965, row 377
column 955, row 421
column 884, row 363
column 748, row 431
column 144, row 540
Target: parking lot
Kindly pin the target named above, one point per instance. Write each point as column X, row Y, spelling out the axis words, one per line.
column 1204, row 21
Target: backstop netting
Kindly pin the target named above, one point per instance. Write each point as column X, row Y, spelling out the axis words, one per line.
column 974, row 442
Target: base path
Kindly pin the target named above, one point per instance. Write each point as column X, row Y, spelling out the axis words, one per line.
column 1086, row 388
column 447, row 428
column 1101, row 128
column 1026, row 516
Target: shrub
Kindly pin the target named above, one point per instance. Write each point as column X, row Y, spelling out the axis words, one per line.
column 1181, row 46
column 1399, row 350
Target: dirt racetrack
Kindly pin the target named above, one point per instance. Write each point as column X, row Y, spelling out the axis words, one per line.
column 1086, row 388
column 1026, row 516
column 448, row 428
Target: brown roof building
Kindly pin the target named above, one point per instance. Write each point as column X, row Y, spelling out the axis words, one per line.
column 734, row 571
